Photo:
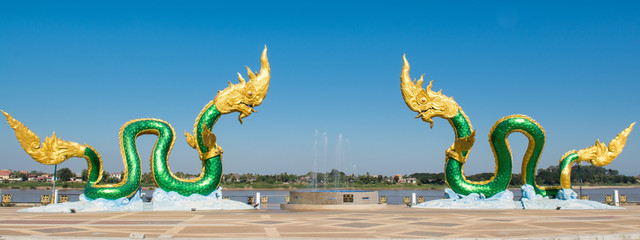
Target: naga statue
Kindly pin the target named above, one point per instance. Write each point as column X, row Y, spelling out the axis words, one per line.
column 429, row 104
column 241, row 98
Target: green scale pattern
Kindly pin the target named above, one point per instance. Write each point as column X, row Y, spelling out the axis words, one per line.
column 498, row 140
column 204, row 185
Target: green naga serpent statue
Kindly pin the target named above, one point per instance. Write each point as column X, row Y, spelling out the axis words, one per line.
column 241, row 97
column 429, row 104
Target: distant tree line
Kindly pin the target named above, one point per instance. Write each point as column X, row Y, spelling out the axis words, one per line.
column 64, row 174
column 589, row 174
column 328, row 178
column 549, row 176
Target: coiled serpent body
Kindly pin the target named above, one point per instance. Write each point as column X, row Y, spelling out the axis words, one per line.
column 429, row 104
column 206, row 183
column 241, row 98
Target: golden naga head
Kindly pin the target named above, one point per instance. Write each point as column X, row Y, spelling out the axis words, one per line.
column 426, row 103
column 242, row 97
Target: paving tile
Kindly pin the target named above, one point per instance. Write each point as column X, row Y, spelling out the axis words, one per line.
column 221, row 235
column 115, row 228
column 314, row 229
column 5, row 232
column 332, row 235
column 569, row 225
column 497, row 220
column 473, row 227
column 268, row 222
column 35, row 221
column 93, row 235
column 363, row 214
column 359, row 225
column 346, row 219
column 58, row 230
column 393, row 222
column 439, row 224
column 409, row 219
column 590, row 218
column 427, row 234
column 206, row 229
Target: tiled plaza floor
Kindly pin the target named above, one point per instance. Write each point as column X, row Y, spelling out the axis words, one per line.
column 392, row 222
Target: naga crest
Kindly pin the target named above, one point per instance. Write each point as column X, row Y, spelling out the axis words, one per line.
column 242, row 97
column 426, row 103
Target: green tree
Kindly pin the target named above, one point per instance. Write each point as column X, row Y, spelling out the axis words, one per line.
column 549, row 176
column 588, row 173
column 480, row 177
column 106, row 178
column 180, row 175
column 21, row 175
column 516, row 180
column 105, row 175
column 65, row 174
column 34, row 172
column 85, row 175
column 147, row 178
column 429, row 178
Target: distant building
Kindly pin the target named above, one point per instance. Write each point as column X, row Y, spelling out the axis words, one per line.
column 234, row 177
column 117, row 175
column 399, row 179
column 305, row 179
column 15, row 179
column 44, row 178
column 4, row 174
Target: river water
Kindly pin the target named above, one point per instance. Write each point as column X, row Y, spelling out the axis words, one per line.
column 278, row 196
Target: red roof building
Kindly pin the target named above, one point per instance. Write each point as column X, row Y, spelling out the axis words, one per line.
column 4, row 174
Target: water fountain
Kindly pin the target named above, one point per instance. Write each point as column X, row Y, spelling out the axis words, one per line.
column 331, row 199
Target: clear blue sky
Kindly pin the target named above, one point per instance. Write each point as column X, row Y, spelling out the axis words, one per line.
column 83, row 69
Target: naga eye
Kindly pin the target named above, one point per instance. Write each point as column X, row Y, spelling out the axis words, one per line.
column 250, row 93
column 423, row 100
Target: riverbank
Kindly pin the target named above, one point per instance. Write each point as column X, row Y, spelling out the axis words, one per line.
column 442, row 188
column 284, row 187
